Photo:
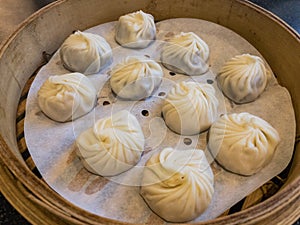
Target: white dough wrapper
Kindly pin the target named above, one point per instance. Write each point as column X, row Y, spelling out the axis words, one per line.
column 242, row 143
column 178, row 185
column 66, row 97
column 113, row 145
column 86, row 53
column 136, row 78
column 190, row 107
column 186, row 53
column 135, row 30
column 243, row 78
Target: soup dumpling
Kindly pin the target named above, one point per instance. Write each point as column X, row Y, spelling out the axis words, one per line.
column 113, row 145
column 136, row 30
column 67, row 97
column 86, row 53
column 190, row 108
column 178, row 185
column 186, row 53
column 242, row 143
column 243, row 78
column 136, row 78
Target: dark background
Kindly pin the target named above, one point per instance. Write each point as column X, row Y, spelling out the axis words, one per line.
column 288, row 10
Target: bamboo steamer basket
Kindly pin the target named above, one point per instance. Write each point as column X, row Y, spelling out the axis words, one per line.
column 24, row 52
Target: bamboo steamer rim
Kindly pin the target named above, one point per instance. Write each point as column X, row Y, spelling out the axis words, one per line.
column 58, row 210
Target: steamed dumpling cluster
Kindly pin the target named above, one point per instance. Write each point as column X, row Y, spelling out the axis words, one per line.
column 67, row 97
column 113, row 145
column 243, row 78
column 242, row 143
column 186, row 53
column 190, row 108
column 85, row 53
column 136, row 30
column 136, row 78
column 178, row 185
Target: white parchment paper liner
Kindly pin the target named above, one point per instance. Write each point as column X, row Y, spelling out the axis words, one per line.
column 51, row 144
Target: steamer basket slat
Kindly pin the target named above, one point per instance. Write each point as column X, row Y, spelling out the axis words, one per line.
column 24, row 52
